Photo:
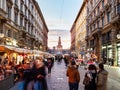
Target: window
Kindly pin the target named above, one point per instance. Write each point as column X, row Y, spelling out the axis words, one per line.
column 16, row 2
column 98, row 24
column 15, row 35
column 102, row 21
column 94, row 13
column 16, row 17
column 98, row 9
column 25, row 11
column 21, row 6
column 28, row 28
column 87, row 10
column 8, row 33
column 102, row 3
column 25, row 25
column 21, row 21
column 108, row 17
column 94, row 2
column 9, row 11
column 118, row 8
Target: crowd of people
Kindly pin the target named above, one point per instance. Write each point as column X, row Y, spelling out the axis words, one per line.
column 95, row 77
column 31, row 75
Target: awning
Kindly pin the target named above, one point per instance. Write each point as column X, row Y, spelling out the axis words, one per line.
column 4, row 48
column 37, row 52
column 22, row 50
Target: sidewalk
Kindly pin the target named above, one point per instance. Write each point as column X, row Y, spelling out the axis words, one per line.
column 114, row 72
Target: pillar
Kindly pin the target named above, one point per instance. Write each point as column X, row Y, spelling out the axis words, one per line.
column 113, row 38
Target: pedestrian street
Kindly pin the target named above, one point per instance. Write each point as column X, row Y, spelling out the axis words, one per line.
column 58, row 80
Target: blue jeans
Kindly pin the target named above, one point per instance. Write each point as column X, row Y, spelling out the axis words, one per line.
column 38, row 86
column 73, row 86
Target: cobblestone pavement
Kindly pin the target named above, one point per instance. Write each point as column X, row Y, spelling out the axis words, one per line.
column 58, row 80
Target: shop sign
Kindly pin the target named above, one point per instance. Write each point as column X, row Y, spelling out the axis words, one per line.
column 118, row 36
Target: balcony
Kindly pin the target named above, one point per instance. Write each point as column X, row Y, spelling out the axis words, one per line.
column 107, row 6
column 115, row 17
column 33, row 36
column 104, row 41
column 96, row 32
column 16, row 8
column 22, row 28
column 3, row 14
column 10, row 1
column 21, row 12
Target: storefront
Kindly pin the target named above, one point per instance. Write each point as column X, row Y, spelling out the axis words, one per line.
column 118, row 54
column 106, row 53
column 109, row 51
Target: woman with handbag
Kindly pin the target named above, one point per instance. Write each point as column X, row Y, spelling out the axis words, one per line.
column 90, row 78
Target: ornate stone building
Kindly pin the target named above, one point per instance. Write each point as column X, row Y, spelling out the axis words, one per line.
column 73, row 34
column 103, row 20
column 22, row 25
column 78, row 40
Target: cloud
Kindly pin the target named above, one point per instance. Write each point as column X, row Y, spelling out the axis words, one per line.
column 59, row 24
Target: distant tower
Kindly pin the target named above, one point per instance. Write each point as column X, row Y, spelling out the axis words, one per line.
column 59, row 46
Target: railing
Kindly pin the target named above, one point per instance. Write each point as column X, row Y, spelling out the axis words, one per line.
column 7, row 83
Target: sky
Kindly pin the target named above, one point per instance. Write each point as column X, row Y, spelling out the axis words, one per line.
column 60, row 14
column 53, row 36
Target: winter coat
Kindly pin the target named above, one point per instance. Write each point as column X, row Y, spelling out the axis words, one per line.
column 73, row 75
column 102, row 80
column 92, row 74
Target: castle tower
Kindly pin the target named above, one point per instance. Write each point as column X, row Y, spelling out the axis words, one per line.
column 59, row 46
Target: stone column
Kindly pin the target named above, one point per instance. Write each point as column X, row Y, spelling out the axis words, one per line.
column 113, row 38
column 100, row 47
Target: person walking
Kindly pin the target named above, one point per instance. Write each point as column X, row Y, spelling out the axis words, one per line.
column 90, row 78
column 39, row 74
column 73, row 76
column 102, row 78
column 49, row 65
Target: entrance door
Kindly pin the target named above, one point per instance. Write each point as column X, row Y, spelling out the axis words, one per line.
column 118, row 56
column 109, row 52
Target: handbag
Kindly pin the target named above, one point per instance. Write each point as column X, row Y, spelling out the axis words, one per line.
column 86, row 80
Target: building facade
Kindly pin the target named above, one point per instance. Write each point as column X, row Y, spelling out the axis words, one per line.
column 103, row 20
column 23, row 31
column 80, row 42
column 73, row 34
column 78, row 31
column 22, row 24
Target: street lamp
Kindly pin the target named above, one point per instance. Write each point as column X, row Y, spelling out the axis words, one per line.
column 118, row 36
column 2, row 35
